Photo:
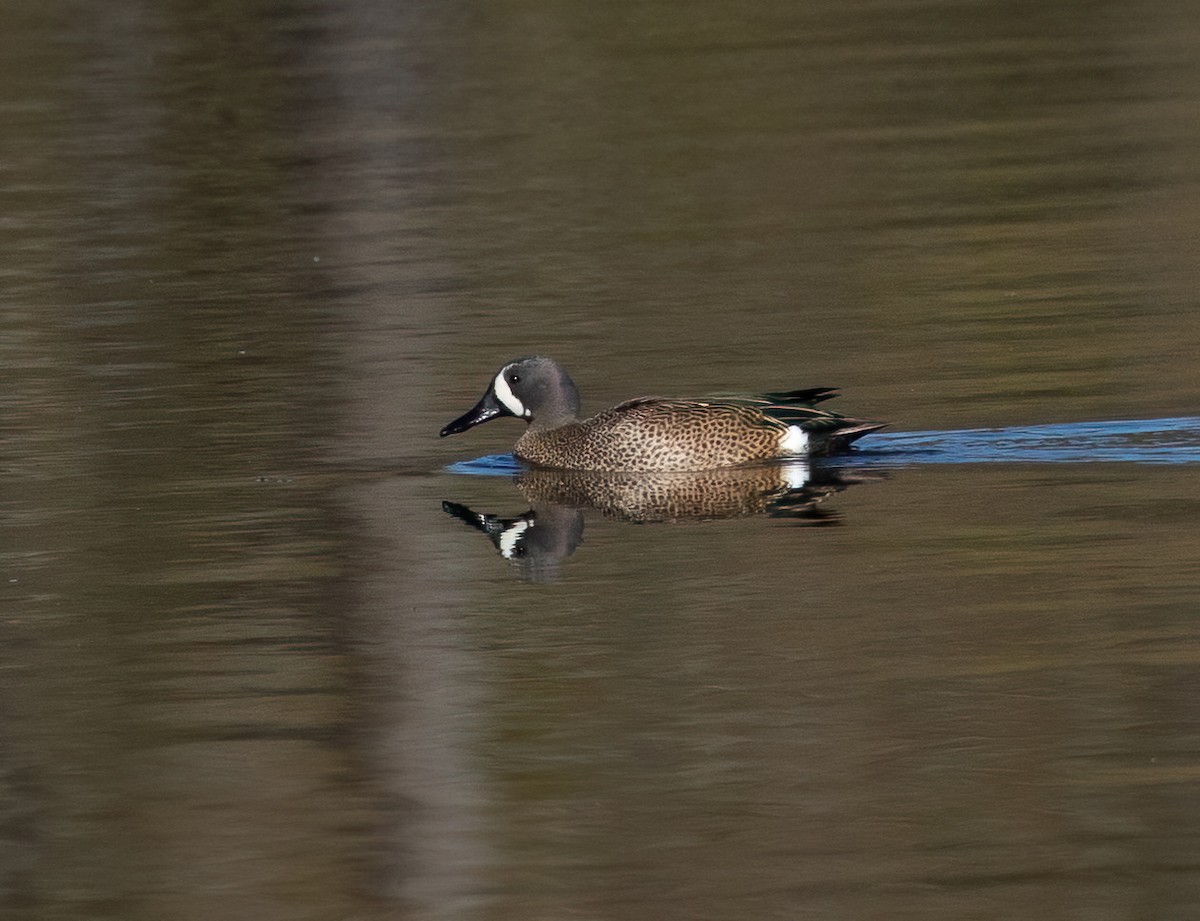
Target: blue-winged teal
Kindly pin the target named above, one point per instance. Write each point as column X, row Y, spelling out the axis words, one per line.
column 653, row 433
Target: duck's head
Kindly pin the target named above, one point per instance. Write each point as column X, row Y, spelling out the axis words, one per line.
column 535, row 389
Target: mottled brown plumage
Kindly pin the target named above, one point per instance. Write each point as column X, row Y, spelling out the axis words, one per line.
column 655, row 433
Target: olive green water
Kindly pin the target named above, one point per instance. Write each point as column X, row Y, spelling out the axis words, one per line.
column 256, row 254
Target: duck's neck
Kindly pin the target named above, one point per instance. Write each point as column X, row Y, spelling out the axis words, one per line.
column 546, row 422
column 562, row 409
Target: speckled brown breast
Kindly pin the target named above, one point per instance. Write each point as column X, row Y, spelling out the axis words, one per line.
column 656, row 434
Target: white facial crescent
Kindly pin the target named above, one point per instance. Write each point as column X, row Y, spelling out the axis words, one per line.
column 505, row 395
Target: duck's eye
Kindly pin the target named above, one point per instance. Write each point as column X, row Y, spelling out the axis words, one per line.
column 514, row 378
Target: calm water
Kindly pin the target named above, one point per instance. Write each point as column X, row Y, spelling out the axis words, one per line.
column 266, row 654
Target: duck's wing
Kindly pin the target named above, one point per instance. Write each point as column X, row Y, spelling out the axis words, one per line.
column 801, row 397
column 775, row 410
column 809, row 397
column 832, row 431
column 764, row 402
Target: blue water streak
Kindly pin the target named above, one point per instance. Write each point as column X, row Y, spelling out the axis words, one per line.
column 488, row 465
column 1140, row 441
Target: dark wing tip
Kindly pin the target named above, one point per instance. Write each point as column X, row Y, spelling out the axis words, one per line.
column 807, row 397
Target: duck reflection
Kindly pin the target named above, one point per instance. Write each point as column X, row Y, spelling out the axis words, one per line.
column 541, row 538
column 535, row 542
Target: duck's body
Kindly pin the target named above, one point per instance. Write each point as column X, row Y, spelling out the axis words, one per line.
column 656, row 433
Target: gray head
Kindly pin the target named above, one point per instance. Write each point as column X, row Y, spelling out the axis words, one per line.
column 535, row 389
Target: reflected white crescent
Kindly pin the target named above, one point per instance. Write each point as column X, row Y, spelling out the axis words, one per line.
column 510, row 539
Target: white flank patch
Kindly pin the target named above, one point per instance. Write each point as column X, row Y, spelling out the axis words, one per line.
column 505, row 395
column 796, row 474
column 510, row 539
column 795, row 441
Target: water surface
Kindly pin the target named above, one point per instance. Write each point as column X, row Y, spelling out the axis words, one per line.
column 258, row 254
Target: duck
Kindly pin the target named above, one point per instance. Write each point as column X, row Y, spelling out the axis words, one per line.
column 657, row 433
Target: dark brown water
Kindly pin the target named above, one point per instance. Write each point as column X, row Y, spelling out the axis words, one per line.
column 255, row 255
